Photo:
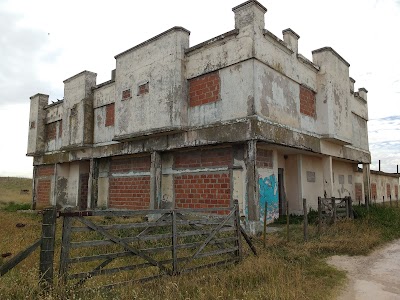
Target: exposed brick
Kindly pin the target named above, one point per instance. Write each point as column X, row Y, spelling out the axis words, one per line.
column 265, row 159
column 203, row 158
column 129, row 192
column 202, row 190
column 358, row 190
column 388, row 192
column 204, row 89
column 126, row 94
column 43, row 192
column 51, row 131
column 84, row 186
column 374, row 193
column 307, row 102
column 128, row 164
column 110, row 113
column 143, row 89
column 60, row 129
column 45, row 170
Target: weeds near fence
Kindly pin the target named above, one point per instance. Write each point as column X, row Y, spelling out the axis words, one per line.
column 302, row 264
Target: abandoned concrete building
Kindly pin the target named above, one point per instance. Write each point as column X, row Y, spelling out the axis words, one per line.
column 240, row 116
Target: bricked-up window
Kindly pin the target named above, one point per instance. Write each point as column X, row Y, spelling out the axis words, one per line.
column 32, row 125
column 203, row 159
column 110, row 113
column 126, row 94
column 374, row 194
column 388, row 193
column 358, row 188
column 396, row 192
column 143, row 89
column 204, row 89
column 307, row 101
column 60, row 129
column 265, row 159
column 51, row 131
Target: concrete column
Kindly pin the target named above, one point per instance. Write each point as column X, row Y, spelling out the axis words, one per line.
column 251, row 181
column 299, row 204
column 155, row 180
column 367, row 183
column 328, row 179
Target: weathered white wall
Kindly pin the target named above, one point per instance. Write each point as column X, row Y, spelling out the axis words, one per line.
column 313, row 185
column 161, row 64
column 236, row 94
column 102, row 133
column 104, row 95
column 346, row 187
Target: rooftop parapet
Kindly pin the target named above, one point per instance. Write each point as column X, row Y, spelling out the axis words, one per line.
column 291, row 38
column 250, row 13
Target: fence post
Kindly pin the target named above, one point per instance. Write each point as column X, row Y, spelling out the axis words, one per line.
column 319, row 214
column 265, row 224
column 333, row 201
column 287, row 220
column 46, row 263
column 390, row 199
column 346, row 202
column 237, row 226
column 174, row 244
column 351, row 208
column 305, row 219
column 65, row 246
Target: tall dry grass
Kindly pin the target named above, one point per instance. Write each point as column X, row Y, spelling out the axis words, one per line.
column 10, row 190
column 284, row 270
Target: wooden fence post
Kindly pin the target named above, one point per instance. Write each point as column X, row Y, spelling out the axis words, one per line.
column 333, row 201
column 287, row 220
column 265, row 224
column 65, row 246
column 305, row 220
column 319, row 214
column 46, row 264
column 174, row 245
column 351, row 208
column 237, row 227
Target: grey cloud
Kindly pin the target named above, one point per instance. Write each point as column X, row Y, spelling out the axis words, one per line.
column 20, row 55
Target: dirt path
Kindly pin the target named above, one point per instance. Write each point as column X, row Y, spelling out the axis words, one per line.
column 376, row 276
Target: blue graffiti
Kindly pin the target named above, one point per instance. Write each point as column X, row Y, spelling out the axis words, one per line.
column 268, row 192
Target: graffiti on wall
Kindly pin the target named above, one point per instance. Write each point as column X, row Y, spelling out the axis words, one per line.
column 268, row 192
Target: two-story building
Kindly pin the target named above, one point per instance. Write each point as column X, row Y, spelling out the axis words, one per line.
column 240, row 116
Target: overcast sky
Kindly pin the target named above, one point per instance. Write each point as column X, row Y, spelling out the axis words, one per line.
column 43, row 42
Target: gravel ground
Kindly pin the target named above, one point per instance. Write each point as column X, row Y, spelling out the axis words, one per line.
column 375, row 277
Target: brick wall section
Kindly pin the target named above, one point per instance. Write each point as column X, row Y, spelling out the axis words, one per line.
column 202, row 190
column 43, row 193
column 396, row 192
column 110, row 113
column 204, row 89
column 45, row 170
column 130, row 192
column 143, row 89
column 358, row 190
column 84, row 185
column 374, row 193
column 388, row 192
column 60, row 129
column 130, row 164
column 265, row 159
column 203, row 158
column 307, row 101
column 51, row 131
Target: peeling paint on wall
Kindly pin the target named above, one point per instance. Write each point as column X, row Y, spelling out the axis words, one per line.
column 268, row 192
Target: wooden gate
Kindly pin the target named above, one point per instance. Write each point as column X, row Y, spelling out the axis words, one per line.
column 332, row 209
column 146, row 244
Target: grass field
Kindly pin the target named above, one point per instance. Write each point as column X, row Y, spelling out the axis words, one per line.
column 284, row 270
column 10, row 190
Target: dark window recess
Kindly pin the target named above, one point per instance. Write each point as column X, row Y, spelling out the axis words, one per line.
column 143, row 89
column 126, row 94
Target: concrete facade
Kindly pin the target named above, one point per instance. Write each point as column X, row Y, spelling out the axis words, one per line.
column 240, row 116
